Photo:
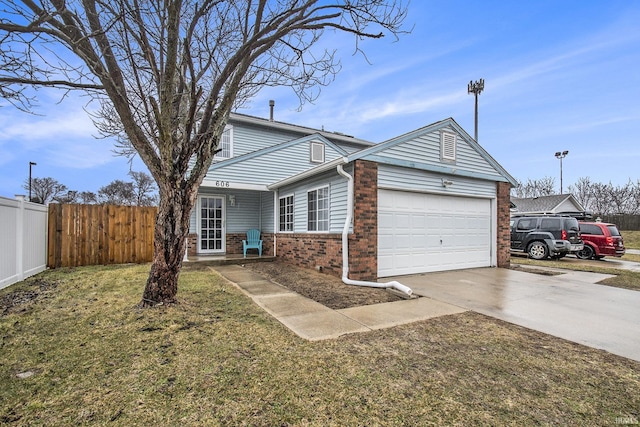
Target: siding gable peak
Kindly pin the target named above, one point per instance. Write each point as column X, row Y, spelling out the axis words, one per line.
column 440, row 147
column 264, row 151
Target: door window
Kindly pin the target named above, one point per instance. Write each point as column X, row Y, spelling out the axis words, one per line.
column 212, row 234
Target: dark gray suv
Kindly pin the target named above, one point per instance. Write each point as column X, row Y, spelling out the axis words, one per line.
column 545, row 236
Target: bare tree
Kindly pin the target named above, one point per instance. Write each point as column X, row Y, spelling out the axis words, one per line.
column 169, row 73
column 70, row 196
column 535, row 188
column 144, row 189
column 117, row 192
column 88, row 197
column 601, row 202
column 45, row 190
column 583, row 192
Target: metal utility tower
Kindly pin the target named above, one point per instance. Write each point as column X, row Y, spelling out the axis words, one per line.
column 475, row 88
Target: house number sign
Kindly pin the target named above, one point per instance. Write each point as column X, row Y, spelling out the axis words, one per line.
column 224, row 184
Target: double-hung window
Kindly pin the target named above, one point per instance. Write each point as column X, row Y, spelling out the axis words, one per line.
column 318, row 209
column 286, row 213
column 226, row 144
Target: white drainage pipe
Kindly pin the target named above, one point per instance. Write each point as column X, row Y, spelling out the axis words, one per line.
column 345, row 246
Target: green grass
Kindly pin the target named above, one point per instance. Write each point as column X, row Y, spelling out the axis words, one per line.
column 631, row 239
column 218, row 359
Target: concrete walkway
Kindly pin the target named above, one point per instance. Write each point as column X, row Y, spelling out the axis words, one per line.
column 569, row 305
column 313, row 321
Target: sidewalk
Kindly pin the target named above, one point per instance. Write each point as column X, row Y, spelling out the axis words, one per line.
column 313, row 321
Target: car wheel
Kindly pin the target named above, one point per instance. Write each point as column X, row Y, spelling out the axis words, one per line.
column 538, row 250
column 585, row 253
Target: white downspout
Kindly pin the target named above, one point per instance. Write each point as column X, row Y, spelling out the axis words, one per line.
column 276, row 225
column 345, row 246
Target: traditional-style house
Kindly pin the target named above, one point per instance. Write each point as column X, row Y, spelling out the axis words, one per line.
column 429, row 200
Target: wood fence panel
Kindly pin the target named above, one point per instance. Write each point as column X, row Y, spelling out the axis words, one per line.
column 100, row 234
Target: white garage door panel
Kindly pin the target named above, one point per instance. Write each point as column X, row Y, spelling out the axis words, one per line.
column 419, row 233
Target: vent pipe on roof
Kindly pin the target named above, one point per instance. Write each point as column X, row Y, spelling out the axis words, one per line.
column 272, row 103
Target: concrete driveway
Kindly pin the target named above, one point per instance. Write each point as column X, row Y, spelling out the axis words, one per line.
column 568, row 306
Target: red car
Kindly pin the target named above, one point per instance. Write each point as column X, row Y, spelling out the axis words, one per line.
column 600, row 240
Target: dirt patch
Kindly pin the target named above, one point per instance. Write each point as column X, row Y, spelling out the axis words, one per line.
column 323, row 288
column 19, row 299
column 535, row 270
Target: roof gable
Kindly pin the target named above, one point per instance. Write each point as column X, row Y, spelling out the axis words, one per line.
column 273, row 163
column 346, row 142
column 555, row 203
column 420, row 149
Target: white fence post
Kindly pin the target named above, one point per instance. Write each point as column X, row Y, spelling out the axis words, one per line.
column 20, row 238
column 23, row 239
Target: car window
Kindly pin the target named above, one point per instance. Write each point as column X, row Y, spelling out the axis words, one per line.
column 613, row 230
column 590, row 229
column 526, row 224
column 550, row 224
column 571, row 224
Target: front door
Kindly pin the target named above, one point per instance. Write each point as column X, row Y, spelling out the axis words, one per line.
column 212, row 225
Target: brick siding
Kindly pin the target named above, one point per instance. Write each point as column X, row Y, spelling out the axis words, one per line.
column 325, row 250
column 363, row 243
column 318, row 251
column 233, row 244
column 503, row 238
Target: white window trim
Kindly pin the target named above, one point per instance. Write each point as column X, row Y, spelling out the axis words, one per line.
column 199, row 224
column 328, row 187
column 444, row 150
column 218, row 155
column 312, row 147
column 293, row 219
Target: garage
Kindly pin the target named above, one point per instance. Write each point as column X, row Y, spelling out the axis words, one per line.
column 419, row 233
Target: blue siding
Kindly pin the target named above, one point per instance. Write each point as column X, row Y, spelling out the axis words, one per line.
column 247, row 139
column 253, row 209
column 425, row 149
column 271, row 166
column 399, row 178
column 337, row 200
column 254, row 133
column 266, row 208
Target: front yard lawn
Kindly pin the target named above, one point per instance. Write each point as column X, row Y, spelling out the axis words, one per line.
column 76, row 351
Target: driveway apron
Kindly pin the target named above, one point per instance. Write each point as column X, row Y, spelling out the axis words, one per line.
column 568, row 306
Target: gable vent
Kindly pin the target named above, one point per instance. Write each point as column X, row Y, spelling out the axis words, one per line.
column 317, row 152
column 448, row 146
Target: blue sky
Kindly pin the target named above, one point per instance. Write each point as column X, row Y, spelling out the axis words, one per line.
column 558, row 76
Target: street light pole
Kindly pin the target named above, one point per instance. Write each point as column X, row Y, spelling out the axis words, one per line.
column 561, row 155
column 475, row 88
column 31, row 164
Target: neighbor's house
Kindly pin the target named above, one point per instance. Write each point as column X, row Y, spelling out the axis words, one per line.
column 429, row 200
column 546, row 205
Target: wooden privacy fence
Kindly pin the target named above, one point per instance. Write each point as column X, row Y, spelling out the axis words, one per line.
column 100, row 234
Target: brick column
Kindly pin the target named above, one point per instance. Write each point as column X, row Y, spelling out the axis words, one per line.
column 503, row 238
column 192, row 244
column 363, row 243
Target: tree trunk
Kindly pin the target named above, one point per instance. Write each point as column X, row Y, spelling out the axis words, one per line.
column 169, row 246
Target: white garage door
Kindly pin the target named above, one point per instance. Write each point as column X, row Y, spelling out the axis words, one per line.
column 420, row 233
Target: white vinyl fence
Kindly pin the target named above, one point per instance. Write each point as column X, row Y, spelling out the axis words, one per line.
column 23, row 239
